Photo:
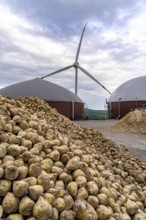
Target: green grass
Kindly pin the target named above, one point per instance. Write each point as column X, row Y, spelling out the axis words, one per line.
column 95, row 114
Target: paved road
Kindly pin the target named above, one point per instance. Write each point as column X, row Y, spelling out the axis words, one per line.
column 136, row 143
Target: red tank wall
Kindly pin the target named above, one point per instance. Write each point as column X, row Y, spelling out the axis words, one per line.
column 122, row 108
column 66, row 108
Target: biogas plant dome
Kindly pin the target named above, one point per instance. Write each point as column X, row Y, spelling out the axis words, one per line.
column 132, row 90
column 66, row 102
column 41, row 89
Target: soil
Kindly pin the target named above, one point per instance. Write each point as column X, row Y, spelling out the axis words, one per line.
column 134, row 142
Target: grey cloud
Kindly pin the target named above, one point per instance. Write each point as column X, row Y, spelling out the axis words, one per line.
column 126, row 54
column 17, row 63
column 119, row 50
column 69, row 15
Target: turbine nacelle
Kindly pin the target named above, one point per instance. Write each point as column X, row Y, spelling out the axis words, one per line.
column 76, row 64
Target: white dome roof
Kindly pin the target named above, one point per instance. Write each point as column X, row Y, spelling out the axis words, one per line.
column 41, row 89
column 132, row 90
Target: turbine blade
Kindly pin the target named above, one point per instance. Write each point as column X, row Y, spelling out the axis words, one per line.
column 88, row 74
column 63, row 69
column 80, row 42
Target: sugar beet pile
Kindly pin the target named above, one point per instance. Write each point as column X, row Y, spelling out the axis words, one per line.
column 53, row 169
column 134, row 121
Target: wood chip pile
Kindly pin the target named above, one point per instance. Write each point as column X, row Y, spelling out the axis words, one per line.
column 52, row 169
column 134, row 121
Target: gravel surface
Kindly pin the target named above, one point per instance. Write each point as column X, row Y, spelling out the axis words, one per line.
column 135, row 142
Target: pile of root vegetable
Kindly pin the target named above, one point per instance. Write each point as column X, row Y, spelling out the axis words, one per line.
column 134, row 121
column 51, row 168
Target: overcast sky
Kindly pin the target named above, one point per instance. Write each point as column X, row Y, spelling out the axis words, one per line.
column 41, row 36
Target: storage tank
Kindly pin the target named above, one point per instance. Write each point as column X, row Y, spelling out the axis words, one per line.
column 66, row 102
column 127, row 97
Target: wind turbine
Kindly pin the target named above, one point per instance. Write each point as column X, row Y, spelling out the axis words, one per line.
column 77, row 66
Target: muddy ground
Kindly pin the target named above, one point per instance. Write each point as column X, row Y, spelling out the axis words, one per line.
column 135, row 142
